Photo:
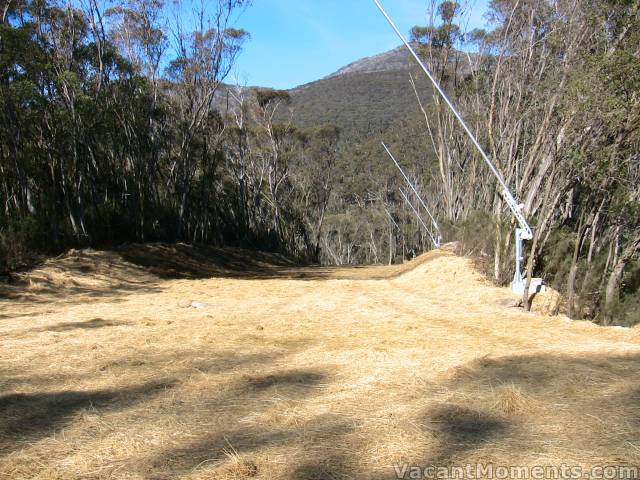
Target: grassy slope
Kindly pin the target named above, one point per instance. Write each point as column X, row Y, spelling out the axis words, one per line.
column 108, row 371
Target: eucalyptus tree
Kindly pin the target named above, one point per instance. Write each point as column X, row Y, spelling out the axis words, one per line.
column 552, row 92
column 137, row 28
column 315, row 176
column 437, row 44
column 204, row 59
column 277, row 144
column 605, row 146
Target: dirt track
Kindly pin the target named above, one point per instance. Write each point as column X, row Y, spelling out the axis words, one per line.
column 139, row 365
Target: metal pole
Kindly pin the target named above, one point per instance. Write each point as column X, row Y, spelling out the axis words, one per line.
column 433, row 220
column 515, row 207
column 390, row 217
column 518, row 284
column 406, row 199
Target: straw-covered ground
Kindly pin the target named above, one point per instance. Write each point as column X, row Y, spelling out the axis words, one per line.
column 163, row 362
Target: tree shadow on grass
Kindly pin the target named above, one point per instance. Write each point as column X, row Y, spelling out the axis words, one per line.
column 69, row 326
column 551, row 375
column 289, row 379
column 249, row 395
column 183, row 261
column 513, row 405
column 331, row 456
column 474, row 424
column 322, row 459
column 463, row 427
column 122, row 281
column 27, row 417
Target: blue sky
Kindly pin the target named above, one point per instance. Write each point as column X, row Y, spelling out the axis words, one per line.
column 294, row 42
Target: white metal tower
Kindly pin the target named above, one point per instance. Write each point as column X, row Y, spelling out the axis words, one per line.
column 524, row 231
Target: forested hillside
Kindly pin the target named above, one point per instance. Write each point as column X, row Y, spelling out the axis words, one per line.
column 110, row 133
column 117, row 126
column 553, row 95
column 365, row 98
column 360, row 103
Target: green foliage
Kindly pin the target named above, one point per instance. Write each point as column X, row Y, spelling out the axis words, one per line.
column 557, row 257
column 267, row 96
column 360, row 104
column 97, row 148
column 24, row 241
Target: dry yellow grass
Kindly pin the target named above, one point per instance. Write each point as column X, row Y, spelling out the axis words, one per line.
column 136, row 365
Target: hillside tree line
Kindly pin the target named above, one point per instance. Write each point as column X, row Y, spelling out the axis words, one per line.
column 117, row 127
column 552, row 89
column 121, row 124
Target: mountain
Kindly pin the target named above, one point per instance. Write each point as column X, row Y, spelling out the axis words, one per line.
column 363, row 98
column 372, row 101
column 396, row 59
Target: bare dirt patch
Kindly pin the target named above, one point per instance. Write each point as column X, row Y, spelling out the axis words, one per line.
column 109, row 371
